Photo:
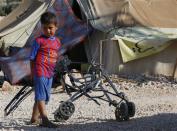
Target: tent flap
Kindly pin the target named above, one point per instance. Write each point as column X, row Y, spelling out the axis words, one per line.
column 20, row 27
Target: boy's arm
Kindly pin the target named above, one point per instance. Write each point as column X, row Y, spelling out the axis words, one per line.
column 34, row 51
column 32, row 69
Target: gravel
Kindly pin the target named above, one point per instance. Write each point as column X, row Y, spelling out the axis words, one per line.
column 155, row 100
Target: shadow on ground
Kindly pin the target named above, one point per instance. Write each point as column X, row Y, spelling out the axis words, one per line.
column 165, row 122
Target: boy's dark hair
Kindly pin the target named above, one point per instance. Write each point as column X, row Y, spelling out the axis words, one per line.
column 48, row 18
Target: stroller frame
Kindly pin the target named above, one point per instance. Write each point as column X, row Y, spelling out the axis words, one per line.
column 94, row 82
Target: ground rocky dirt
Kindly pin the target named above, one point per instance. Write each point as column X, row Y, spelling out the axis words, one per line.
column 156, row 110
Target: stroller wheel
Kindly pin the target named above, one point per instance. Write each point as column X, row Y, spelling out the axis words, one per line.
column 65, row 110
column 59, row 118
column 121, row 112
column 131, row 109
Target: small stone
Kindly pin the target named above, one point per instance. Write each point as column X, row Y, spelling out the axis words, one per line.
column 7, row 86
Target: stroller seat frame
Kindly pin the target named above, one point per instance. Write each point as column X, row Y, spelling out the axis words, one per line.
column 95, row 80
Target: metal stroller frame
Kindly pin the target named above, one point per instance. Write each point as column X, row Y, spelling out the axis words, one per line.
column 88, row 84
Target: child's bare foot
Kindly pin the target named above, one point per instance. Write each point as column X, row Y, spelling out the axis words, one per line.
column 47, row 123
column 34, row 122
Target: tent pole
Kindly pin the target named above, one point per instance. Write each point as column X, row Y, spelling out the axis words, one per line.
column 174, row 75
column 101, row 51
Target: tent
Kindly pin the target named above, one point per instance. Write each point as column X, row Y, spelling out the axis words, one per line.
column 137, row 36
column 70, row 30
column 16, row 28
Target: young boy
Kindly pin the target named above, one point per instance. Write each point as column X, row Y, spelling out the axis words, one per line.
column 44, row 56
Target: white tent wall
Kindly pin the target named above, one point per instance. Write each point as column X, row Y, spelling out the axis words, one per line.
column 16, row 28
column 9, row 19
column 162, row 63
column 104, row 14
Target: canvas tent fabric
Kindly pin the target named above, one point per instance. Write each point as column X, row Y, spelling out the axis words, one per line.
column 162, row 63
column 138, row 21
column 71, row 31
column 134, row 49
column 135, row 20
column 105, row 14
column 16, row 28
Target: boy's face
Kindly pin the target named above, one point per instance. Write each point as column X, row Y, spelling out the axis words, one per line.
column 49, row 29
